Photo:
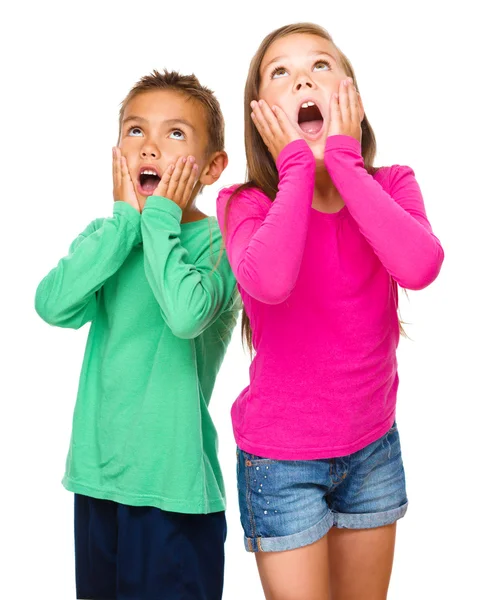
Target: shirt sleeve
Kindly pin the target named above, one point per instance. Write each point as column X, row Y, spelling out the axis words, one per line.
column 265, row 240
column 393, row 221
column 66, row 297
column 191, row 296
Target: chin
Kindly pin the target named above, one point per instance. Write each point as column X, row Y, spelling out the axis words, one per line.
column 141, row 200
column 317, row 147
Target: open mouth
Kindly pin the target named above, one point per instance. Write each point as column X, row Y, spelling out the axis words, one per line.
column 310, row 119
column 148, row 180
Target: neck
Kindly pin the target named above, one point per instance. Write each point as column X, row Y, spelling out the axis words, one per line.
column 325, row 196
column 192, row 213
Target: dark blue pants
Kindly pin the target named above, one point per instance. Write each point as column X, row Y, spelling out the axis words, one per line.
column 143, row 553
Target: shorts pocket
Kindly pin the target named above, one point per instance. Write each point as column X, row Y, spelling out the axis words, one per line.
column 252, row 460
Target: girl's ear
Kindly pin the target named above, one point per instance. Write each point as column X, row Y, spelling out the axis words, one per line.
column 216, row 165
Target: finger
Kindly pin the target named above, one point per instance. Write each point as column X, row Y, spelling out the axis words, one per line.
column 183, row 180
column 361, row 107
column 161, row 189
column 260, row 123
column 344, row 100
column 285, row 124
column 128, row 187
column 175, row 177
column 190, row 183
column 270, row 119
column 335, row 113
column 126, row 179
column 354, row 103
column 117, row 177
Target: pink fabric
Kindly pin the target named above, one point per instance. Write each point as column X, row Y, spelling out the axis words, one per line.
column 321, row 293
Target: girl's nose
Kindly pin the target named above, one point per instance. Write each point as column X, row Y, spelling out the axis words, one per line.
column 303, row 81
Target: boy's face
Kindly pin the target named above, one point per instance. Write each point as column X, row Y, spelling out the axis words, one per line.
column 158, row 127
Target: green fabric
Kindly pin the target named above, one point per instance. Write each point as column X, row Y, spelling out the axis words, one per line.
column 163, row 304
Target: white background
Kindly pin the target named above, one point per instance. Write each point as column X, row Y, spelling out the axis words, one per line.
column 65, row 69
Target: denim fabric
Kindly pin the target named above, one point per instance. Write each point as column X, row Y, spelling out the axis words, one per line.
column 286, row 504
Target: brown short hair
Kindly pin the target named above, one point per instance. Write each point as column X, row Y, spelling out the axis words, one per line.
column 190, row 86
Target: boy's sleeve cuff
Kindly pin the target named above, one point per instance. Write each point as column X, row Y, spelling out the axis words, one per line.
column 129, row 213
column 160, row 203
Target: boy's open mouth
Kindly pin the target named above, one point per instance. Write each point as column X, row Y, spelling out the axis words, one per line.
column 148, row 180
column 310, row 119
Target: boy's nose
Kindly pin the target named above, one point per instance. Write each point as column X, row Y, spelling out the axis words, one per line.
column 150, row 150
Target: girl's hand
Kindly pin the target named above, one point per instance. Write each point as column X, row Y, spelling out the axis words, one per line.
column 274, row 127
column 123, row 187
column 346, row 111
column 178, row 181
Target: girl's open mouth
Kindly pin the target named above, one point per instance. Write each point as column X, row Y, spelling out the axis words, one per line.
column 310, row 119
column 148, row 180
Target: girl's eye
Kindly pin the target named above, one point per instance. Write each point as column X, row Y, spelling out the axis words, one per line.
column 322, row 65
column 135, row 131
column 177, row 134
column 278, row 72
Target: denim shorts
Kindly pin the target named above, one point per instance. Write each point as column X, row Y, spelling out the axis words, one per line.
column 287, row 504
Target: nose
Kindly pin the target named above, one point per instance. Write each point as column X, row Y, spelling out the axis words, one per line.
column 150, row 150
column 303, row 81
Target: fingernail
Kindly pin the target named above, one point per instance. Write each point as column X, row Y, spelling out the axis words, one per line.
column 191, row 159
column 183, row 159
column 261, row 102
column 345, row 82
column 253, row 103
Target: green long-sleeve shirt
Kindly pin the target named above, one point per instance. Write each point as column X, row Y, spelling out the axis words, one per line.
column 162, row 307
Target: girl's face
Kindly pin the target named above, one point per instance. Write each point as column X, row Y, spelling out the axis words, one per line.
column 299, row 73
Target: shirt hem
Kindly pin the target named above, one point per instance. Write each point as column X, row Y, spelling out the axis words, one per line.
column 279, row 453
column 168, row 504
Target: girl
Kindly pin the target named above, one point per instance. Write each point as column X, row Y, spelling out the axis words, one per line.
column 319, row 241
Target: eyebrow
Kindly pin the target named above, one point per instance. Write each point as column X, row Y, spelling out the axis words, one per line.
column 182, row 122
column 314, row 53
column 133, row 118
column 169, row 122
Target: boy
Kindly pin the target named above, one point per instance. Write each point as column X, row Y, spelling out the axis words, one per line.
column 149, row 497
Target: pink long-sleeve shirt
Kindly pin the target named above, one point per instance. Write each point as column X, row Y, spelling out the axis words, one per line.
column 321, row 293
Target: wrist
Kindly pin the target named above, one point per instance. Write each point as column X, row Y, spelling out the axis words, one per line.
column 294, row 147
column 162, row 203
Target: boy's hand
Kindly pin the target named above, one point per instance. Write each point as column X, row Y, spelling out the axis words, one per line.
column 274, row 127
column 346, row 111
column 123, row 187
column 177, row 181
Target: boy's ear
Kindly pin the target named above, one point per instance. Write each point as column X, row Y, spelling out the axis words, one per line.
column 216, row 165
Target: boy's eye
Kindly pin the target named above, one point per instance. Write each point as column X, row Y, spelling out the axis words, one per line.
column 278, row 72
column 177, row 134
column 135, row 131
column 322, row 65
